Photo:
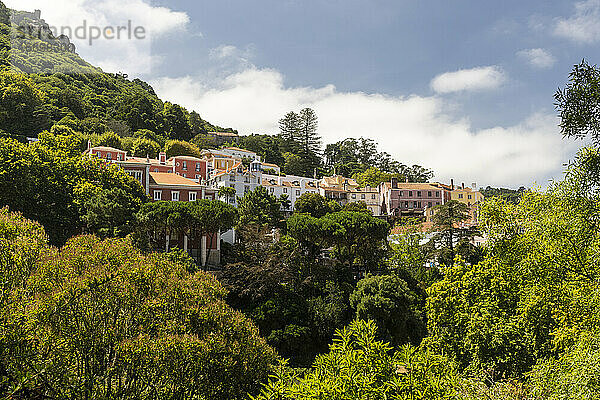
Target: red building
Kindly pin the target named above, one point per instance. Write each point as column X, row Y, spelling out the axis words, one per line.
column 173, row 187
column 176, row 179
column 189, row 167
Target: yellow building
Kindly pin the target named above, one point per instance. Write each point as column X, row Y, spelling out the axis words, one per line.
column 472, row 198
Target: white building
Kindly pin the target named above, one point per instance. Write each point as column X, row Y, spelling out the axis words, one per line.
column 290, row 185
column 239, row 178
column 236, row 152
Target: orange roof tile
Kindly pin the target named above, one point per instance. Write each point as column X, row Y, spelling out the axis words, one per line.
column 168, row 179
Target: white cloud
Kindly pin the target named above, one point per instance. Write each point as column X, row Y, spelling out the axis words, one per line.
column 413, row 129
column 126, row 54
column 538, row 58
column 584, row 25
column 481, row 78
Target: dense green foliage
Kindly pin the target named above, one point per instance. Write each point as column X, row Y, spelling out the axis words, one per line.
column 360, row 367
column 52, row 183
column 510, row 195
column 59, row 85
column 100, row 320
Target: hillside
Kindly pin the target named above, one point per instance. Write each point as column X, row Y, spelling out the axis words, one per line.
column 39, row 89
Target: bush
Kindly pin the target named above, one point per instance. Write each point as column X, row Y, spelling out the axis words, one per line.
column 359, row 367
column 98, row 319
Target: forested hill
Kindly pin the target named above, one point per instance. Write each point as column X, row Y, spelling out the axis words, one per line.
column 41, row 89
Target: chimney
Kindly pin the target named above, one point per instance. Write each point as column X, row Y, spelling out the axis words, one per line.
column 162, row 157
column 451, row 184
column 89, row 149
column 394, row 183
column 463, row 186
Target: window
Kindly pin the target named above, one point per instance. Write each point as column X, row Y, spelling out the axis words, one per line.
column 406, row 204
column 430, row 204
column 174, row 196
column 109, row 156
column 284, row 190
column 437, row 203
column 362, row 196
column 185, row 165
column 373, row 197
column 119, row 157
column 460, row 196
column 297, row 193
column 410, row 193
column 155, row 169
column 354, row 196
column 428, row 194
column 99, row 155
column 437, row 194
column 192, row 196
column 184, row 175
column 246, row 189
column 401, row 193
column 272, row 190
column 470, row 197
column 157, row 195
column 232, row 178
column 419, row 193
column 419, row 205
column 415, row 204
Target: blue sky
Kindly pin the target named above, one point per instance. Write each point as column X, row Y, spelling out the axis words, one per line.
column 463, row 87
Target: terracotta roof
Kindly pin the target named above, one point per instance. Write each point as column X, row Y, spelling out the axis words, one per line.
column 104, row 148
column 238, row 149
column 168, row 179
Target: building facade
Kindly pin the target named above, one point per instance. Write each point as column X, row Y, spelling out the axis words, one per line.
column 412, row 198
column 166, row 180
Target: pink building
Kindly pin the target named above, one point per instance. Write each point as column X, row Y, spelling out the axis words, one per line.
column 412, row 198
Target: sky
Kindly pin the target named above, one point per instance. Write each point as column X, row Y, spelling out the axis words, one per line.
column 462, row 87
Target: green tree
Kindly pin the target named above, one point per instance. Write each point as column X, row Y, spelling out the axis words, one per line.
column 50, row 182
column 227, row 192
column 110, row 139
column 313, row 204
column 180, row 148
column 176, row 123
column 115, row 323
column 289, row 133
column 359, row 206
column 109, row 212
column 578, row 103
column 145, row 147
column 359, row 366
column 259, row 207
column 447, row 220
column 397, row 310
column 294, row 164
column 150, row 135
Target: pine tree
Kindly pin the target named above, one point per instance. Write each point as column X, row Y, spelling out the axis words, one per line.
column 289, row 127
column 310, row 141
